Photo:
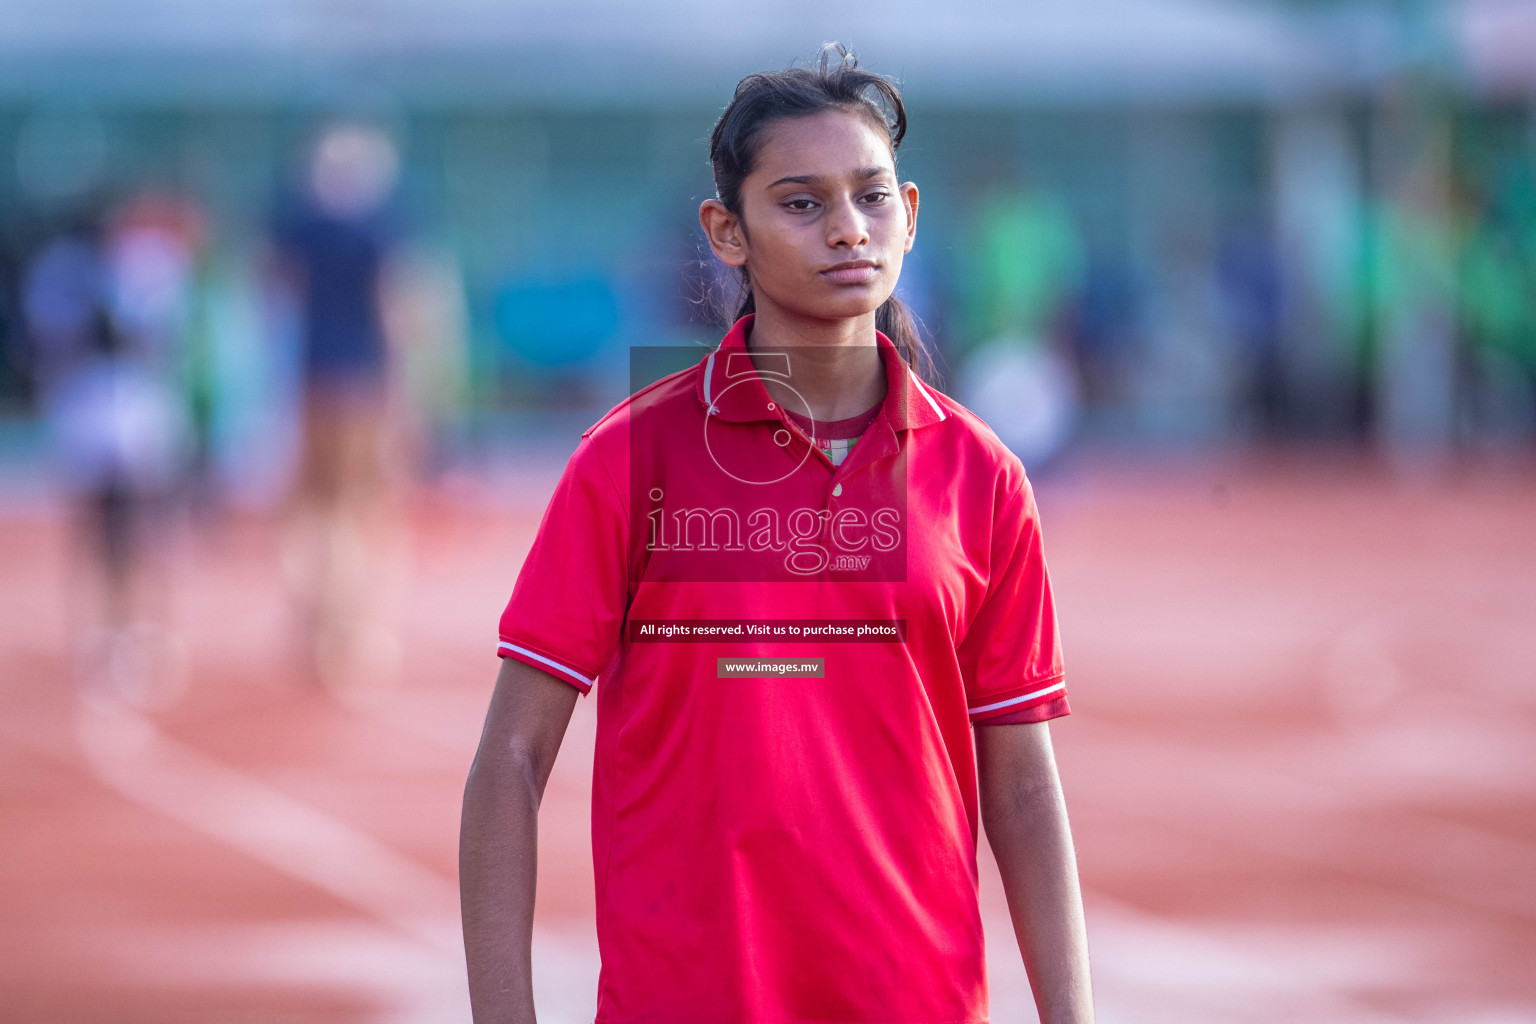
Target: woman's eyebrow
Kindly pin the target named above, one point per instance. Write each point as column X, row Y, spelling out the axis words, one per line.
column 863, row 173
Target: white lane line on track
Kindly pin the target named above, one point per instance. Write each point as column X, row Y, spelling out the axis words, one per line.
column 126, row 752
column 1246, row 803
column 131, row 756
column 1195, row 976
column 1150, row 969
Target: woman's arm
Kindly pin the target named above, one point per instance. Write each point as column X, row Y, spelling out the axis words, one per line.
column 1026, row 822
column 498, row 838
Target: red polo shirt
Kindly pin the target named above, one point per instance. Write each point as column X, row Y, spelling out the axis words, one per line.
column 772, row 848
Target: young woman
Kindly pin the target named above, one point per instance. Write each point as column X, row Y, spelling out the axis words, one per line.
column 803, row 576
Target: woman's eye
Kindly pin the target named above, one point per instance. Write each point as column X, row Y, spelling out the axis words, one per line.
column 799, row 205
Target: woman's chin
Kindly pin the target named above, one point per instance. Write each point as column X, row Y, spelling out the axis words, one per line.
column 839, row 307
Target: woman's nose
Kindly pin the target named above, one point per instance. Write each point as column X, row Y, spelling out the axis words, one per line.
column 847, row 227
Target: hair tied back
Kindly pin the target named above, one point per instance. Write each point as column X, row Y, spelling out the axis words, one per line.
column 835, row 82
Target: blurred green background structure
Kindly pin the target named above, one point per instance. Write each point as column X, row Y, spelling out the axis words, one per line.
column 1223, row 220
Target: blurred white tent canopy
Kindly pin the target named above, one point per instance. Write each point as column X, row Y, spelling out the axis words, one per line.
column 587, row 51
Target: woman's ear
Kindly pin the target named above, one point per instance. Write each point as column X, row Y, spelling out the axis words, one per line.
column 723, row 230
column 908, row 192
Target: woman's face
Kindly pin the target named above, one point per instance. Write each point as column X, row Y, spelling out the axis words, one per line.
column 823, row 223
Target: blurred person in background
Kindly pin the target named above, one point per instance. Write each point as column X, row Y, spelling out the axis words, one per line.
column 103, row 311
column 1024, row 266
column 333, row 249
column 154, row 244
column 1413, row 268
column 1497, row 282
column 1248, row 283
column 1103, row 327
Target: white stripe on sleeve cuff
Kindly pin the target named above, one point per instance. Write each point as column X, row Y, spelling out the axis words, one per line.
column 1061, row 685
column 563, row 669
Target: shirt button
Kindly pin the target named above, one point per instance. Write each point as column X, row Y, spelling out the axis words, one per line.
column 837, row 491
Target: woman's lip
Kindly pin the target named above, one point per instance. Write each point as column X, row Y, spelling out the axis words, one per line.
column 854, row 274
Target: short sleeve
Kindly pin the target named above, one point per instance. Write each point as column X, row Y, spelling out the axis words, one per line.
column 1010, row 657
column 568, row 605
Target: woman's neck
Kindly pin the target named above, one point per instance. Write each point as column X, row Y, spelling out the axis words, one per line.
column 834, row 365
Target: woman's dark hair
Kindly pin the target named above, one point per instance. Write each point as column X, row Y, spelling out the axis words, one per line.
column 835, row 83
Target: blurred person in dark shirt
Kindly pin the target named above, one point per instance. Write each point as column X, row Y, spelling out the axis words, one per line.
column 333, row 247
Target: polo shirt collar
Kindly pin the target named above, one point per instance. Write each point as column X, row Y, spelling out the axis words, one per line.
column 730, row 386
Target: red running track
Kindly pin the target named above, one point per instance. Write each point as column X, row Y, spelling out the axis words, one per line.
column 1302, row 768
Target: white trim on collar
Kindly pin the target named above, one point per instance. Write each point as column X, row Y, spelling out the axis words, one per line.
column 924, row 392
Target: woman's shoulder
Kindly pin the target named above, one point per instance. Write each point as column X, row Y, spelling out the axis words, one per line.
column 609, row 440
column 669, row 394
column 971, row 445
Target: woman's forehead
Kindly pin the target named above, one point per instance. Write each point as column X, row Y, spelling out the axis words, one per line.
column 833, row 144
